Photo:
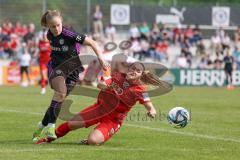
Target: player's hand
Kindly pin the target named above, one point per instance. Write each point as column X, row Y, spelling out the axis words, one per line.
column 102, row 85
column 152, row 114
column 105, row 65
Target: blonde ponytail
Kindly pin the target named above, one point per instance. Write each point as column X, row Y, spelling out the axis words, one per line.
column 150, row 78
column 44, row 19
column 49, row 15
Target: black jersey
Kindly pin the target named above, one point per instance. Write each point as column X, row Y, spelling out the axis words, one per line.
column 228, row 62
column 64, row 46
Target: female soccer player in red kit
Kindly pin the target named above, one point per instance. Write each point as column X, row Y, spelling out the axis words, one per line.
column 44, row 52
column 118, row 95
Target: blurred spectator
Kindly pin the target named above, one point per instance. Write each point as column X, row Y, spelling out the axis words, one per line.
column 203, row 63
column 1, row 34
column 201, row 49
column 197, row 35
column 3, row 54
column 185, row 49
column 24, row 62
column 144, row 48
column 236, row 56
column 182, row 61
column 209, row 62
column 220, row 33
column 97, row 21
column 188, row 32
column 155, row 29
column 110, row 32
column 228, row 68
column 226, row 41
column 177, row 32
column 216, row 43
column 237, row 37
column 154, row 34
column 134, row 32
column 30, row 38
column 218, row 62
column 19, row 30
column 136, row 49
column 166, row 34
column 161, row 50
column 10, row 45
column 144, row 30
column 7, row 27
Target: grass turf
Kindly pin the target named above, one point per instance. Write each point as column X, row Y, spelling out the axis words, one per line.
column 213, row 133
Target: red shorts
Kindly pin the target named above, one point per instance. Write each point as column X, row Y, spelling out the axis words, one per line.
column 94, row 115
column 43, row 66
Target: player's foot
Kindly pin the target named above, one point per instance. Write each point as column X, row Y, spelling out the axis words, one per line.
column 24, row 84
column 49, row 131
column 232, row 87
column 43, row 91
column 44, row 141
column 37, row 134
column 229, row 87
column 84, row 142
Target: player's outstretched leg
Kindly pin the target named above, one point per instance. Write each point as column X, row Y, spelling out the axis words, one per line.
column 61, row 131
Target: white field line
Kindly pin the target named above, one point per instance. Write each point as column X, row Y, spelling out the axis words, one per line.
column 94, row 148
column 21, row 112
column 148, row 128
column 185, row 133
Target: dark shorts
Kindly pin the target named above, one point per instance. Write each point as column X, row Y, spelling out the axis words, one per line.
column 24, row 69
column 228, row 71
column 69, row 71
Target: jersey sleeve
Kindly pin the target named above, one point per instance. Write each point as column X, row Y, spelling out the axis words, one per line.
column 74, row 36
column 141, row 95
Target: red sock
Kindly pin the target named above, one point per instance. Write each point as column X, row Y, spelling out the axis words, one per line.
column 43, row 83
column 62, row 130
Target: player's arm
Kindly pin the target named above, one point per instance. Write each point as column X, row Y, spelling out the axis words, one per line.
column 106, row 80
column 105, row 83
column 90, row 42
column 151, row 111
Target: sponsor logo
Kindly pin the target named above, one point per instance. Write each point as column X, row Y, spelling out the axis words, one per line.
column 55, row 48
column 65, row 48
column 79, row 38
column 61, row 41
column 58, row 71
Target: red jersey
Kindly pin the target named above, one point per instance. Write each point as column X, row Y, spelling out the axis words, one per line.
column 45, row 51
column 122, row 97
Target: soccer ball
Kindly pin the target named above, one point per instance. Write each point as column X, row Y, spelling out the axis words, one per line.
column 178, row 117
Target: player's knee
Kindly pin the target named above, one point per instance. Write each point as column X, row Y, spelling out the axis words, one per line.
column 93, row 140
column 60, row 96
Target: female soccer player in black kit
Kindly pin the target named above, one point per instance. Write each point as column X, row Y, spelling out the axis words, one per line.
column 64, row 66
column 228, row 68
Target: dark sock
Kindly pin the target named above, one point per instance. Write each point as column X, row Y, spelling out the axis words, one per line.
column 46, row 118
column 52, row 113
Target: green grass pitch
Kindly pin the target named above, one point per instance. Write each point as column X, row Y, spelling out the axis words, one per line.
column 213, row 134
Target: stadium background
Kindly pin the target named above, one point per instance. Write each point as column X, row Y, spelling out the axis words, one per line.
column 78, row 14
column 212, row 134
